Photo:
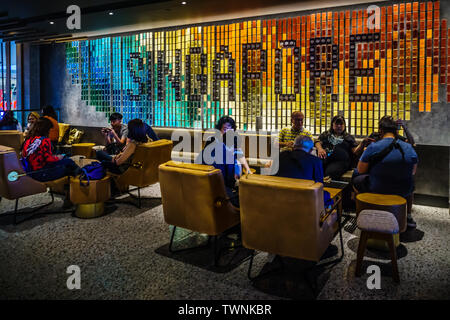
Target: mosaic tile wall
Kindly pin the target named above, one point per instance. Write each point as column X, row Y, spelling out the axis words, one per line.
column 259, row 71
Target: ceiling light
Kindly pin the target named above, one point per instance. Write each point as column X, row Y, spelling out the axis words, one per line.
column 184, row 2
column 51, row 22
column 111, row 13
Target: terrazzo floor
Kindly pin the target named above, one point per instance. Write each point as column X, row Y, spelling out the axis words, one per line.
column 117, row 258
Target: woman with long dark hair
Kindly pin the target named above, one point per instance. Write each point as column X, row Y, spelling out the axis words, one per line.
column 37, row 150
column 336, row 147
column 49, row 113
column 120, row 162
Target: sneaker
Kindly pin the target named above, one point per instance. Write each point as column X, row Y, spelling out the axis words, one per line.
column 410, row 222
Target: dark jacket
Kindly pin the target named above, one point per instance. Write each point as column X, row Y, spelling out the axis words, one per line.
column 302, row 165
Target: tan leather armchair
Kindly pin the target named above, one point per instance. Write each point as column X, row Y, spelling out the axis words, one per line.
column 14, row 184
column 194, row 198
column 12, row 138
column 286, row 217
column 144, row 168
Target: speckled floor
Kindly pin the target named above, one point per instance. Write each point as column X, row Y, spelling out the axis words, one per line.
column 116, row 255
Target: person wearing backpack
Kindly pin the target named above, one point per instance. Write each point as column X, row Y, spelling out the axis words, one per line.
column 388, row 165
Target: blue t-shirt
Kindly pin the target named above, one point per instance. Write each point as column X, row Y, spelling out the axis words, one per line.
column 392, row 175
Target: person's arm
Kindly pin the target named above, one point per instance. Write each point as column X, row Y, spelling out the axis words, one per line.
column 125, row 154
column 321, row 152
column 414, row 169
column 46, row 149
column 409, row 137
column 359, row 149
column 121, row 140
column 318, row 171
column 244, row 163
column 363, row 167
column 281, row 142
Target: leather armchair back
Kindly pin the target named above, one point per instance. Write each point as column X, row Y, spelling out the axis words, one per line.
column 24, row 185
column 282, row 216
column 11, row 138
column 191, row 195
column 147, row 158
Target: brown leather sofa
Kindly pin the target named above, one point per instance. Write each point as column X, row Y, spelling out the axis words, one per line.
column 14, row 184
column 144, row 168
column 194, row 198
column 286, row 217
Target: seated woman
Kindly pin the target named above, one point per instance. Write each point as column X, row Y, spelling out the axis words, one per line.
column 120, row 162
column 31, row 120
column 336, row 147
column 37, row 150
column 49, row 113
column 231, row 171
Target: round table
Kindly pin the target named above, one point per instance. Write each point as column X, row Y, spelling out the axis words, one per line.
column 384, row 202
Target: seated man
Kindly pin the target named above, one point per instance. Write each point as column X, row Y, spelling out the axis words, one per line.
column 116, row 136
column 287, row 136
column 300, row 164
column 227, row 163
column 388, row 165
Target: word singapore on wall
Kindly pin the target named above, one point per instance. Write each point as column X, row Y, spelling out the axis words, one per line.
column 259, row 71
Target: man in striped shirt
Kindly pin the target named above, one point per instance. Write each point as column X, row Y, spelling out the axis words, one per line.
column 287, row 136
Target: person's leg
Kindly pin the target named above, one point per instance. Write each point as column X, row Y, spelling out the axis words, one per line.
column 409, row 219
column 361, row 183
column 233, row 195
column 102, row 156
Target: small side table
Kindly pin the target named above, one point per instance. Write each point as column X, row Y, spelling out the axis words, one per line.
column 82, row 149
column 384, row 202
column 90, row 200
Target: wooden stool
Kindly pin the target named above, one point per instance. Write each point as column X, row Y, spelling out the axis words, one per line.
column 376, row 224
column 384, row 202
column 82, row 149
column 90, row 199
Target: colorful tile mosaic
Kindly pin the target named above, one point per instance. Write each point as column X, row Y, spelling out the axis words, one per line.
column 259, row 71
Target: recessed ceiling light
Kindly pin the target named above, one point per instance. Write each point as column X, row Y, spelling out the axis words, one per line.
column 111, row 13
column 51, row 22
column 184, row 2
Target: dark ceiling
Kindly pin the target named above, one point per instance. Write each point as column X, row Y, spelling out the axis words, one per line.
column 29, row 20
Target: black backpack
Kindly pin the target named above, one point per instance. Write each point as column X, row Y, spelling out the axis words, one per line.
column 379, row 156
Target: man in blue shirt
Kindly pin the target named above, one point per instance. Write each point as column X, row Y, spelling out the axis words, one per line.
column 388, row 165
column 300, row 164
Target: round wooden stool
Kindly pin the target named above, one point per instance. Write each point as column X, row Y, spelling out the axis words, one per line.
column 384, row 202
column 381, row 225
column 82, row 149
